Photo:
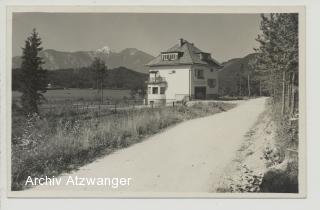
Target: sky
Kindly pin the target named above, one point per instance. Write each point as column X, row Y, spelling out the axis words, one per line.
column 225, row 36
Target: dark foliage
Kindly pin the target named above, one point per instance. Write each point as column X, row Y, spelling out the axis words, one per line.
column 118, row 78
column 32, row 79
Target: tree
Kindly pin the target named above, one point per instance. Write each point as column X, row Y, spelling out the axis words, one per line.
column 99, row 69
column 277, row 61
column 33, row 78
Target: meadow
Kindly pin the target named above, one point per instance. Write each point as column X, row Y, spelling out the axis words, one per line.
column 75, row 94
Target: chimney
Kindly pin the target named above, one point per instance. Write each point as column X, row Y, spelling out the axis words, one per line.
column 181, row 42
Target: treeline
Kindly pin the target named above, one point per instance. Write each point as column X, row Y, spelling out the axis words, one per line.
column 118, row 78
column 277, row 61
column 273, row 69
column 238, row 78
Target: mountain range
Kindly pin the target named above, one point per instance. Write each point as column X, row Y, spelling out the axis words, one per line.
column 232, row 71
column 134, row 59
column 130, row 58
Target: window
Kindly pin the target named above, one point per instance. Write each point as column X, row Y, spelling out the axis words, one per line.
column 169, row 56
column 162, row 90
column 199, row 74
column 212, row 83
column 155, row 90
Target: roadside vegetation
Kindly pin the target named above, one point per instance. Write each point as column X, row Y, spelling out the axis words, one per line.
column 277, row 65
column 267, row 161
column 49, row 145
column 272, row 71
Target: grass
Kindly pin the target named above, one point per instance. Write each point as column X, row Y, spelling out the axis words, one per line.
column 75, row 94
column 52, row 144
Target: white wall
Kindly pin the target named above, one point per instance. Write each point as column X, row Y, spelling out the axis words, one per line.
column 178, row 82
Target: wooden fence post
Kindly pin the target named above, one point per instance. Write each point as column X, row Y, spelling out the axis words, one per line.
column 292, row 94
column 289, row 86
column 283, row 92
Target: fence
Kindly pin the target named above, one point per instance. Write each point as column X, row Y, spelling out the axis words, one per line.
column 60, row 107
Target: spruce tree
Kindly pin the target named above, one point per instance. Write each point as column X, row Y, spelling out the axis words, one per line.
column 33, row 77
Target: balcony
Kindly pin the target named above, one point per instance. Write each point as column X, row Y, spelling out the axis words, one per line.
column 156, row 80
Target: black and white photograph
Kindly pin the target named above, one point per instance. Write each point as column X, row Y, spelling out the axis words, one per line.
column 156, row 103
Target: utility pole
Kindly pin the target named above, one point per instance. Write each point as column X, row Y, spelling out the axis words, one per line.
column 240, row 94
column 101, row 86
column 249, row 93
column 260, row 87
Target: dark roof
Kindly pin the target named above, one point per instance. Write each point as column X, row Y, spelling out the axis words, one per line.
column 189, row 54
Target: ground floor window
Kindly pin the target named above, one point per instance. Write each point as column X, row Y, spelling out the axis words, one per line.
column 155, row 90
column 162, row 90
column 212, row 83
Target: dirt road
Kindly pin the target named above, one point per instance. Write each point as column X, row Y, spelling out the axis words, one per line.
column 188, row 157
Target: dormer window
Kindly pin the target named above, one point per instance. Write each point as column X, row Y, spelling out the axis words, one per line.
column 169, row 56
column 204, row 56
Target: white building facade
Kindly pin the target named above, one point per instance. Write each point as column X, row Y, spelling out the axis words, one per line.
column 182, row 73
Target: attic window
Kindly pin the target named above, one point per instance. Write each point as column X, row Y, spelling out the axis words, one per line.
column 204, row 56
column 169, row 56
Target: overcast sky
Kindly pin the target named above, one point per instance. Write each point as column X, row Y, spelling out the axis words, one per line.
column 226, row 36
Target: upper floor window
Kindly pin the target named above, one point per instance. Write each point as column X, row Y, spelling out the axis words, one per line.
column 162, row 90
column 199, row 73
column 169, row 56
column 155, row 90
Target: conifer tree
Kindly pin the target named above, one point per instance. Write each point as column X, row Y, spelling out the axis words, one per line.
column 33, row 77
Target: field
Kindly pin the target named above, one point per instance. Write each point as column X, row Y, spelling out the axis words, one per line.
column 79, row 101
column 79, row 94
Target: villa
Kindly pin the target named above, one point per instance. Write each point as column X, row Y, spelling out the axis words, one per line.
column 182, row 73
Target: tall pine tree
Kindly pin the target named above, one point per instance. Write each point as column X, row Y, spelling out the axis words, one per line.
column 33, row 77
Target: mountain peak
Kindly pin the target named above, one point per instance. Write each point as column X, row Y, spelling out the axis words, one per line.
column 104, row 50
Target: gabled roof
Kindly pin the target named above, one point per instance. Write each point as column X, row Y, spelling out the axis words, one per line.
column 189, row 54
